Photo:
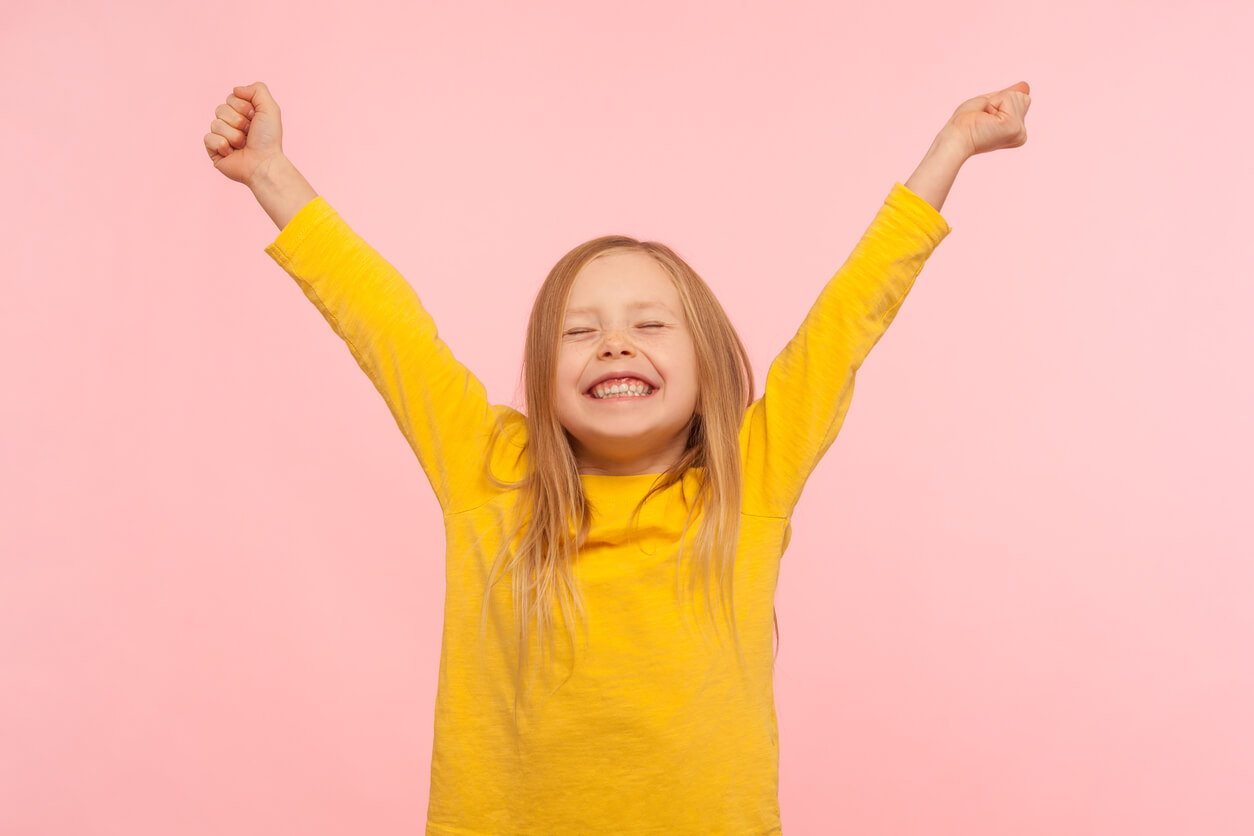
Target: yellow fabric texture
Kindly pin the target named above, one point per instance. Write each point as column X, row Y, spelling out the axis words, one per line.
column 654, row 726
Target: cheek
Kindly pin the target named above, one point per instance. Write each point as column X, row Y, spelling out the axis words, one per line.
column 566, row 374
column 690, row 367
column 566, row 383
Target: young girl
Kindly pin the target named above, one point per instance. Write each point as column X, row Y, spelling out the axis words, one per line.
column 642, row 474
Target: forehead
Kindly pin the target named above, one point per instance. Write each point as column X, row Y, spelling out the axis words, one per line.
column 630, row 279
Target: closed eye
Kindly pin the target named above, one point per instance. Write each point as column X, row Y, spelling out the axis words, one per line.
column 653, row 325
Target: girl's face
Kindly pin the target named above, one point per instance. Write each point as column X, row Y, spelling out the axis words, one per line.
column 625, row 327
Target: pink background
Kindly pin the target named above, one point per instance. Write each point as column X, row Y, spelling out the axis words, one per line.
column 1018, row 595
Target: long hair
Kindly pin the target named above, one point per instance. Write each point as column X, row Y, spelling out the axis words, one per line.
column 552, row 516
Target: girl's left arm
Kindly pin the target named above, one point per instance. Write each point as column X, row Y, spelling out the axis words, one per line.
column 810, row 384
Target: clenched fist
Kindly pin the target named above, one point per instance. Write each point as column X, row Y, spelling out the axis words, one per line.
column 993, row 121
column 247, row 134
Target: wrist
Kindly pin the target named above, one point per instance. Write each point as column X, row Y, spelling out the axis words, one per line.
column 269, row 173
column 280, row 189
column 951, row 146
column 938, row 169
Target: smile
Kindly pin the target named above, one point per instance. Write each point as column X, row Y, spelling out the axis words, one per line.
column 620, row 388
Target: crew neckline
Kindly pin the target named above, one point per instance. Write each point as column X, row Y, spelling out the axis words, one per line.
column 632, row 475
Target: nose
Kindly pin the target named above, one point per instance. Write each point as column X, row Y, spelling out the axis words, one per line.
column 616, row 344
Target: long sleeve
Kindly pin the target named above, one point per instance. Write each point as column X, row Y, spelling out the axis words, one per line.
column 810, row 384
column 440, row 407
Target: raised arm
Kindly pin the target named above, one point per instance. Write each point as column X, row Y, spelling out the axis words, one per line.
column 440, row 407
column 810, row 384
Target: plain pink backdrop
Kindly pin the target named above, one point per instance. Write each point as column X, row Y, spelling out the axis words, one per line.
column 1018, row 595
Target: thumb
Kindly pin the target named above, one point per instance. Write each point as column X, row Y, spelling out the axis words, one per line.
column 259, row 95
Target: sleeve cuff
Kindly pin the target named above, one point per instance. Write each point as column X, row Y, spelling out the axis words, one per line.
column 302, row 224
column 919, row 212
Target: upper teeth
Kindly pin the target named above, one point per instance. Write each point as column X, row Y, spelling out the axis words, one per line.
column 629, row 388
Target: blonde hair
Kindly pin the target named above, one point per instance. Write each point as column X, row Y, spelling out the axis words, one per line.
column 551, row 514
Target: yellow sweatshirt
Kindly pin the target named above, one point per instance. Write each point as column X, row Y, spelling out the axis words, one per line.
column 654, row 727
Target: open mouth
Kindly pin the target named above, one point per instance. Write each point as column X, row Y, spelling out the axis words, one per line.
column 620, row 389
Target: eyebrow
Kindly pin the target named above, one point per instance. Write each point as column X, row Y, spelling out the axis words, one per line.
column 635, row 306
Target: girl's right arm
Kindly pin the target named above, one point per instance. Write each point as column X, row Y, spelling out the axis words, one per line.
column 440, row 407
